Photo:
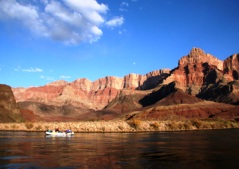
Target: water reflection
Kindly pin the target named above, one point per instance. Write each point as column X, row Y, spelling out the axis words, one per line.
column 191, row 149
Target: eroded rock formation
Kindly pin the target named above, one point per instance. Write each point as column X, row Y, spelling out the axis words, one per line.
column 196, row 70
column 231, row 68
column 9, row 111
column 87, row 94
column 198, row 77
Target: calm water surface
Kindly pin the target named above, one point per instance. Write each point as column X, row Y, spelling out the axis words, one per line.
column 162, row 150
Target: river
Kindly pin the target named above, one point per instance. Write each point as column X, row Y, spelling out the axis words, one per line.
column 209, row 149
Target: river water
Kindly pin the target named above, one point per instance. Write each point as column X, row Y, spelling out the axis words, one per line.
column 211, row 149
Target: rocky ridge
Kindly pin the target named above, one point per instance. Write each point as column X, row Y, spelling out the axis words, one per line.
column 84, row 93
column 199, row 77
column 198, row 69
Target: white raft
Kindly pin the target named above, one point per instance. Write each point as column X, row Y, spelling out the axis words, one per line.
column 59, row 133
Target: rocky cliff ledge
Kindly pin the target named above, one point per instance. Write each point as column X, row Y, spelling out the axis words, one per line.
column 231, row 68
column 198, row 56
column 84, row 93
column 9, row 111
column 199, row 69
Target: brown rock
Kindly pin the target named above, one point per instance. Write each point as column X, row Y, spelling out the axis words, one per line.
column 197, row 74
column 9, row 111
column 180, row 105
column 198, row 56
column 87, row 94
column 231, row 68
column 196, row 70
column 179, row 97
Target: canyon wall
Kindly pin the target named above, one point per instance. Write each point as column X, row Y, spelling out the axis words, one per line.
column 199, row 74
column 84, row 93
column 199, row 69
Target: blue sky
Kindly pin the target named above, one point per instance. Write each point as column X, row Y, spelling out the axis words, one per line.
column 47, row 40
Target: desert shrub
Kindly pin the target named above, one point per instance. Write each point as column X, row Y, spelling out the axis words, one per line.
column 172, row 125
column 197, row 123
column 186, row 125
column 47, row 127
column 234, row 124
column 135, row 123
column 29, row 125
column 38, row 128
column 121, row 127
column 236, row 118
column 222, row 123
column 180, row 126
column 14, row 126
column 155, row 125
column 206, row 125
column 82, row 129
column 230, row 124
column 5, row 127
column 215, row 125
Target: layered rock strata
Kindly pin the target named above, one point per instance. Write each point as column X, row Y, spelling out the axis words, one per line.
column 86, row 94
column 198, row 74
column 199, row 69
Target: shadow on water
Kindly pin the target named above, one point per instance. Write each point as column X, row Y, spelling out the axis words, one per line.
column 190, row 149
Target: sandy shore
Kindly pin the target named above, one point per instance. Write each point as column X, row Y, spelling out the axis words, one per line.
column 121, row 126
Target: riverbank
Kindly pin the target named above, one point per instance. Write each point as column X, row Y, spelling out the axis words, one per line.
column 122, row 126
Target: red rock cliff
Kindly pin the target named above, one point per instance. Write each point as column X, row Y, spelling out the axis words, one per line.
column 231, row 68
column 195, row 70
column 82, row 92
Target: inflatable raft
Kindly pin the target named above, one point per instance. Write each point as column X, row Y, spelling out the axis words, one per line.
column 59, row 133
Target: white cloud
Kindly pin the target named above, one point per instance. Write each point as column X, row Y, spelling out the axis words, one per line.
column 89, row 9
column 68, row 21
column 123, row 6
column 117, row 21
column 31, row 70
column 122, row 31
column 65, row 77
column 44, row 1
column 75, row 21
column 26, row 14
column 16, row 69
column 48, row 78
